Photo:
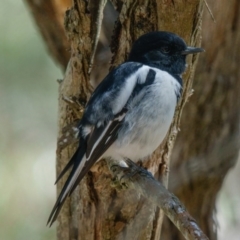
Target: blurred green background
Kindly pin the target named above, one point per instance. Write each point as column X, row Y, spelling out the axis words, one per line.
column 28, row 117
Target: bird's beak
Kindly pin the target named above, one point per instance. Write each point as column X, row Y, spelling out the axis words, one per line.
column 192, row 50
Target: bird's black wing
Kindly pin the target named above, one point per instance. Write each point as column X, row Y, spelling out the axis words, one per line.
column 83, row 159
column 99, row 126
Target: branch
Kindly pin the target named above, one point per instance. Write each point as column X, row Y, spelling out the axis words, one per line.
column 48, row 17
column 141, row 180
column 98, row 17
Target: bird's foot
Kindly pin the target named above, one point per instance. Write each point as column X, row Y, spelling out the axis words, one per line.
column 125, row 175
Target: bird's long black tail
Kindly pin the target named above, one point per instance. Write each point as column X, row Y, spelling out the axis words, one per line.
column 78, row 171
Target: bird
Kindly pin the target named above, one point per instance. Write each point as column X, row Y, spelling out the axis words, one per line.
column 131, row 110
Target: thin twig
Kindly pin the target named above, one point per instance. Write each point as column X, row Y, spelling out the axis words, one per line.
column 210, row 11
column 141, row 180
column 98, row 22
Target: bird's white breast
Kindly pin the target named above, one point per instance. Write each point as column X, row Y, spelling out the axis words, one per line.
column 148, row 118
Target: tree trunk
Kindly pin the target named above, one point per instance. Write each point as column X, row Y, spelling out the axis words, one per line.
column 207, row 144
column 97, row 210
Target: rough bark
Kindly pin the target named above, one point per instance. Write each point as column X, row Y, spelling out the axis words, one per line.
column 97, row 210
column 208, row 144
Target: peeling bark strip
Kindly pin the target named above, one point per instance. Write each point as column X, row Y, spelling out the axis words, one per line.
column 96, row 210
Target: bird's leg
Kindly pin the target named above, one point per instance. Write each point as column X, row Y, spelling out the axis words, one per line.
column 113, row 165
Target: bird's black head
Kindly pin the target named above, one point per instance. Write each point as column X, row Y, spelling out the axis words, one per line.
column 163, row 50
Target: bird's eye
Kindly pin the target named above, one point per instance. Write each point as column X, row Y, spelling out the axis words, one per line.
column 165, row 49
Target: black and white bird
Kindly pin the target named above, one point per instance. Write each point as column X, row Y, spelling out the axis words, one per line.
column 130, row 112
